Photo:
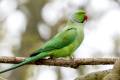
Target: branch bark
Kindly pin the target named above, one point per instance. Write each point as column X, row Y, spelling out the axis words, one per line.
column 73, row 63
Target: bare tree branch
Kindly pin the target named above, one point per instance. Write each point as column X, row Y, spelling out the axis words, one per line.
column 73, row 63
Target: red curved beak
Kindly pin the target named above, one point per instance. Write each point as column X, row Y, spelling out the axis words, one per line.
column 86, row 18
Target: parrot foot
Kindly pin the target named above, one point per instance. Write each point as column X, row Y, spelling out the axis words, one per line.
column 51, row 57
column 71, row 57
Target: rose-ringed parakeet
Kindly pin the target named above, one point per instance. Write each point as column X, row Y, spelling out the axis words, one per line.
column 61, row 45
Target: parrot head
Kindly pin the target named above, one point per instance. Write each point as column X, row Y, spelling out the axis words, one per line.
column 79, row 16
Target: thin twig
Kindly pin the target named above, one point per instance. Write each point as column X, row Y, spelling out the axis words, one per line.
column 74, row 63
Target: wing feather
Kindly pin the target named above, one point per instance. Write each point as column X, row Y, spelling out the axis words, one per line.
column 61, row 40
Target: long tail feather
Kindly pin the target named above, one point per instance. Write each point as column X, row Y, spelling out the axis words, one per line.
column 28, row 60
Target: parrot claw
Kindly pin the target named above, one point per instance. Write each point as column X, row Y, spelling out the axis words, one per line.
column 51, row 57
column 71, row 57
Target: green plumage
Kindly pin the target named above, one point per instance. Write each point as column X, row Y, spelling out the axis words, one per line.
column 61, row 45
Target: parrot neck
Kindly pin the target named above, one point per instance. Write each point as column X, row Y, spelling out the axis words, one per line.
column 75, row 24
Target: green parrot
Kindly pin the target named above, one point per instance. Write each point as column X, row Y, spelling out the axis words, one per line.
column 61, row 45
